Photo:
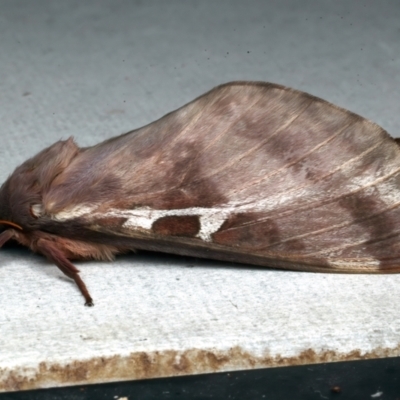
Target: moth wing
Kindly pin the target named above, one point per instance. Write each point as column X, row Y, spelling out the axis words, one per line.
column 257, row 173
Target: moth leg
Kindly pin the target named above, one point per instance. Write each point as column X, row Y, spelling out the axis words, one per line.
column 47, row 248
column 6, row 236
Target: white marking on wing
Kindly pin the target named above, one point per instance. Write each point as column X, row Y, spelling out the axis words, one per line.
column 362, row 263
column 210, row 224
column 211, row 219
column 73, row 212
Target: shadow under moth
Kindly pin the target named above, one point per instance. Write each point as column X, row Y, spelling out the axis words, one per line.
column 249, row 172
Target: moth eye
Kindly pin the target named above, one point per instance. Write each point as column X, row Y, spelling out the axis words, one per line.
column 36, row 210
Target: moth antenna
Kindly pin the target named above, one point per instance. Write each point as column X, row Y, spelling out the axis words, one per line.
column 14, row 225
column 57, row 257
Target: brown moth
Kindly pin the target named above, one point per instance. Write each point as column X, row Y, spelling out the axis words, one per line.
column 249, row 172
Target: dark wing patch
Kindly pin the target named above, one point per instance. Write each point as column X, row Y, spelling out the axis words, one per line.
column 184, row 225
column 239, row 230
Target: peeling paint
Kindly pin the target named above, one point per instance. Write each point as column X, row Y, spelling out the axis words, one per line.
column 145, row 365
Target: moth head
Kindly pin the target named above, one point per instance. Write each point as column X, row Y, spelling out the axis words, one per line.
column 21, row 195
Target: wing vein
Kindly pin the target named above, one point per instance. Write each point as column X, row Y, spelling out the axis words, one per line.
column 234, row 160
column 217, row 138
column 332, row 227
column 347, row 246
column 316, row 204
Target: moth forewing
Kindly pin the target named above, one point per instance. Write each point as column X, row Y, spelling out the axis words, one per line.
column 250, row 172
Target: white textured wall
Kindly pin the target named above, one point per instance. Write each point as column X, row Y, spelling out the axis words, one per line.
column 95, row 69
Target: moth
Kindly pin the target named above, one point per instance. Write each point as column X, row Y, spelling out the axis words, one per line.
column 249, row 172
